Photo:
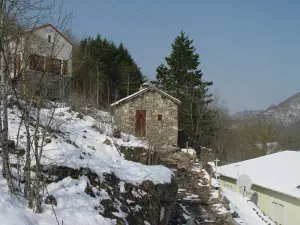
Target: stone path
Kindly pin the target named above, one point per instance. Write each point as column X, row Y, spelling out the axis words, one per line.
column 195, row 202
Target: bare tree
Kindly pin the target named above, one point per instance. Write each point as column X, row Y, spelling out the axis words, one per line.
column 18, row 43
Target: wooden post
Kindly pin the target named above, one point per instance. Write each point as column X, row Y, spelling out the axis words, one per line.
column 187, row 147
column 200, row 170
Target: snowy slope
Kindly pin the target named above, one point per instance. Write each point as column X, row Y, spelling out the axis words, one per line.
column 80, row 142
column 87, row 149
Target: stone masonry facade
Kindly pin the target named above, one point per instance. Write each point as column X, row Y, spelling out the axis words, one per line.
column 161, row 118
column 55, row 86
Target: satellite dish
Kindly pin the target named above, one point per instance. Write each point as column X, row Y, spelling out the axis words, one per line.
column 244, row 183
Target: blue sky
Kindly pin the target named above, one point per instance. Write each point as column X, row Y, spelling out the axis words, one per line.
column 249, row 49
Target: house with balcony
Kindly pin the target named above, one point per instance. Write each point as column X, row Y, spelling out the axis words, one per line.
column 42, row 56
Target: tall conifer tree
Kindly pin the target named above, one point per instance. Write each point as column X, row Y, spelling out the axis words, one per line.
column 182, row 78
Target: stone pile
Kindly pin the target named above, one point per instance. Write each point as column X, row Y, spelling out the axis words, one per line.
column 195, row 204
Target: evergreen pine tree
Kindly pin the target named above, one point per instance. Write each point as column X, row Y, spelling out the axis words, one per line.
column 182, row 78
column 107, row 72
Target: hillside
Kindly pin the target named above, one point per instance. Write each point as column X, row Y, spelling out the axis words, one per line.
column 245, row 114
column 87, row 179
column 287, row 112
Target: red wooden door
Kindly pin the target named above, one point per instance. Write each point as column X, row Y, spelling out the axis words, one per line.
column 140, row 124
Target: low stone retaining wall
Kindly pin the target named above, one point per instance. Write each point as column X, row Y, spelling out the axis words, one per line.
column 56, row 86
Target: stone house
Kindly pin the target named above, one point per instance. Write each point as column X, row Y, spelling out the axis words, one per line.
column 149, row 114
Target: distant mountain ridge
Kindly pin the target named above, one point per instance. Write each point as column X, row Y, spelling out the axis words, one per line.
column 286, row 113
column 245, row 114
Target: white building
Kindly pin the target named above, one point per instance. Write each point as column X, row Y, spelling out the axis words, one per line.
column 42, row 49
column 53, row 49
column 276, row 184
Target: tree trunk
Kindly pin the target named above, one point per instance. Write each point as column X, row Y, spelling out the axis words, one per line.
column 5, row 150
column 128, row 83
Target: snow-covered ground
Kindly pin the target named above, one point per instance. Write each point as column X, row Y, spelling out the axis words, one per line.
column 190, row 151
column 81, row 143
column 248, row 212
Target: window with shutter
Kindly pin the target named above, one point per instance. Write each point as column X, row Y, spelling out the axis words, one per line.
column 40, row 63
column 57, row 66
column 37, row 63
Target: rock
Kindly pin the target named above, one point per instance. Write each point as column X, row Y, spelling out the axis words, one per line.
column 17, row 151
column 120, row 221
column 50, row 200
column 108, row 206
column 91, row 147
column 11, row 144
column 147, row 206
column 225, row 219
column 95, row 127
column 124, row 208
column 147, row 185
column 226, row 206
column 61, row 114
column 204, row 193
column 107, row 142
column 79, row 115
column 191, row 221
column 89, row 191
column 71, row 142
column 178, row 157
column 235, row 215
column 116, row 133
column 225, row 200
column 135, row 154
column 47, row 140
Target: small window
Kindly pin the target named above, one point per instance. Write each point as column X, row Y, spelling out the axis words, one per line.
column 159, row 117
column 49, row 38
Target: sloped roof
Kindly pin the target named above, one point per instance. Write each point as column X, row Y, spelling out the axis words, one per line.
column 278, row 172
column 136, row 94
column 50, row 25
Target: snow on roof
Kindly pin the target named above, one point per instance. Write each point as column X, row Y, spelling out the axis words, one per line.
column 278, row 172
column 143, row 91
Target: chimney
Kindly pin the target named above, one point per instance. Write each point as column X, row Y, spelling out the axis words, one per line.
column 144, row 86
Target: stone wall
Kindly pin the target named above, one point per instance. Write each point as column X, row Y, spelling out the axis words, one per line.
column 161, row 134
column 56, row 86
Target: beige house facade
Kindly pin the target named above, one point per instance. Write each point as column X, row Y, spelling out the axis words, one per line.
column 151, row 115
column 275, row 184
column 44, row 56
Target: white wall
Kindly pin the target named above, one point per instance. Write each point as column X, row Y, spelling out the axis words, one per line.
column 281, row 208
column 59, row 48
